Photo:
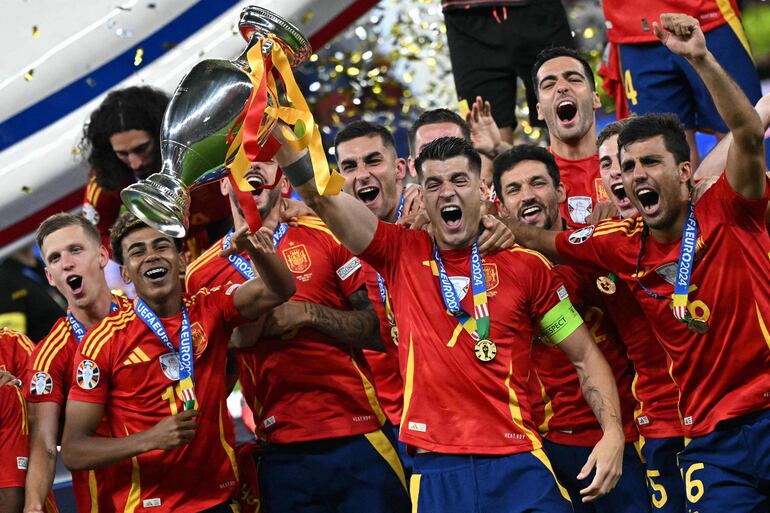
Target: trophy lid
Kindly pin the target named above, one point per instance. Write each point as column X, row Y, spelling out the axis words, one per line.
column 258, row 20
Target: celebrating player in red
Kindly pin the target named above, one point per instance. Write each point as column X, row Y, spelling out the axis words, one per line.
column 465, row 374
column 699, row 272
column 157, row 371
column 75, row 259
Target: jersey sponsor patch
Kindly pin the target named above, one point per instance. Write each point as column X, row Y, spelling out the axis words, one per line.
column 22, row 462
column 562, row 292
column 643, row 420
column 151, row 503
column 418, row 426
column 579, row 208
column 87, row 375
column 461, row 285
column 269, row 421
column 90, row 213
column 668, row 272
column 169, row 364
column 348, row 268
column 41, row 384
column 581, row 235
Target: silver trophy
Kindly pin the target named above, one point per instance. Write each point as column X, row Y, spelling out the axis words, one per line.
column 205, row 109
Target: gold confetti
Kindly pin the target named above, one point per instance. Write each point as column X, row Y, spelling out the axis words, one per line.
column 35, row 32
column 307, row 17
column 28, row 75
column 589, row 32
column 138, row 56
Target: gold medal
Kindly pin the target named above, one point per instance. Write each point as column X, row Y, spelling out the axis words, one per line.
column 394, row 334
column 486, row 350
column 698, row 325
column 605, row 285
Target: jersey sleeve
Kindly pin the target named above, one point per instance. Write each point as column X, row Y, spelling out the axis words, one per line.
column 48, row 374
column 586, row 247
column 350, row 276
column 102, row 208
column 384, row 250
column 14, row 438
column 723, row 202
column 550, row 305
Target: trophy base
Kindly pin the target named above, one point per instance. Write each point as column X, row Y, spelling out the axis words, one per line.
column 259, row 21
column 161, row 201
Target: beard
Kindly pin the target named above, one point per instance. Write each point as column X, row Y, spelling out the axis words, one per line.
column 273, row 196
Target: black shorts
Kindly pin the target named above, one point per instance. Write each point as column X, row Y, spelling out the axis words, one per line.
column 488, row 55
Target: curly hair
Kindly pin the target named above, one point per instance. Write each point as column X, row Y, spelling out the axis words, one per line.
column 125, row 224
column 132, row 108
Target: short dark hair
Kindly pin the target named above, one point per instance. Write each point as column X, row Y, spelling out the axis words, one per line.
column 62, row 220
column 519, row 153
column 561, row 51
column 610, row 130
column 435, row 116
column 652, row 125
column 362, row 128
column 445, row 148
column 125, row 224
column 132, row 108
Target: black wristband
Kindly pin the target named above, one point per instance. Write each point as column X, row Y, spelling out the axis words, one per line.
column 300, row 172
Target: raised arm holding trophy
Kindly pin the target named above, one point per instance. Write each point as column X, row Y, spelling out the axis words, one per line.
column 220, row 119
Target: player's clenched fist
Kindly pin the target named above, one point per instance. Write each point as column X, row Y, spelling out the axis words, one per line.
column 175, row 430
column 682, row 35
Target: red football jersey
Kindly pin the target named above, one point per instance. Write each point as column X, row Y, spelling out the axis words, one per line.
column 656, row 394
column 565, row 417
column 14, row 438
column 309, row 387
column 49, row 374
column 122, row 364
column 631, row 22
column 384, row 365
column 15, row 347
column 583, row 186
column 453, row 402
column 725, row 372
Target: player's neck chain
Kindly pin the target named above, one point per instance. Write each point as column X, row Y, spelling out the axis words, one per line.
column 242, row 265
column 683, row 272
column 185, row 353
column 383, row 289
column 478, row 325
column 77, row 327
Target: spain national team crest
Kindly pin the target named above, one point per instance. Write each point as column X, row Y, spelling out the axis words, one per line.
column 199, row 339
column 579, row 208
column 169, row 364
column 491, row 276
column 87, row 375
column 601, row 194
column 41, row 384
column 297, row 258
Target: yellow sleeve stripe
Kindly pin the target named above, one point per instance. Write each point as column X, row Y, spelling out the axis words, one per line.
column 546, row 262
column 104, row 331
column 52, row 345
column 623, row 230
column 25, row 343
column 205, row 257
column 310, row 222
column 627, row 226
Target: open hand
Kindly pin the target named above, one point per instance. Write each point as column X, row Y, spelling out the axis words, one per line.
column 485, row 134
column 607, row 459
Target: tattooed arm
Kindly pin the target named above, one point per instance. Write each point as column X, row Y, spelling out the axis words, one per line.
column 358, row 327
column 601, row 394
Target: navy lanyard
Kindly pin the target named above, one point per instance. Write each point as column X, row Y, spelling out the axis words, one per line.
column 241, row 264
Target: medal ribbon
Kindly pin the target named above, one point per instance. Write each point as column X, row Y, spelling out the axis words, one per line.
column 77, row 327
column 381, row 282
column 186, row 364
column 480, row 323
column 685, row 264
column 241, row 264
